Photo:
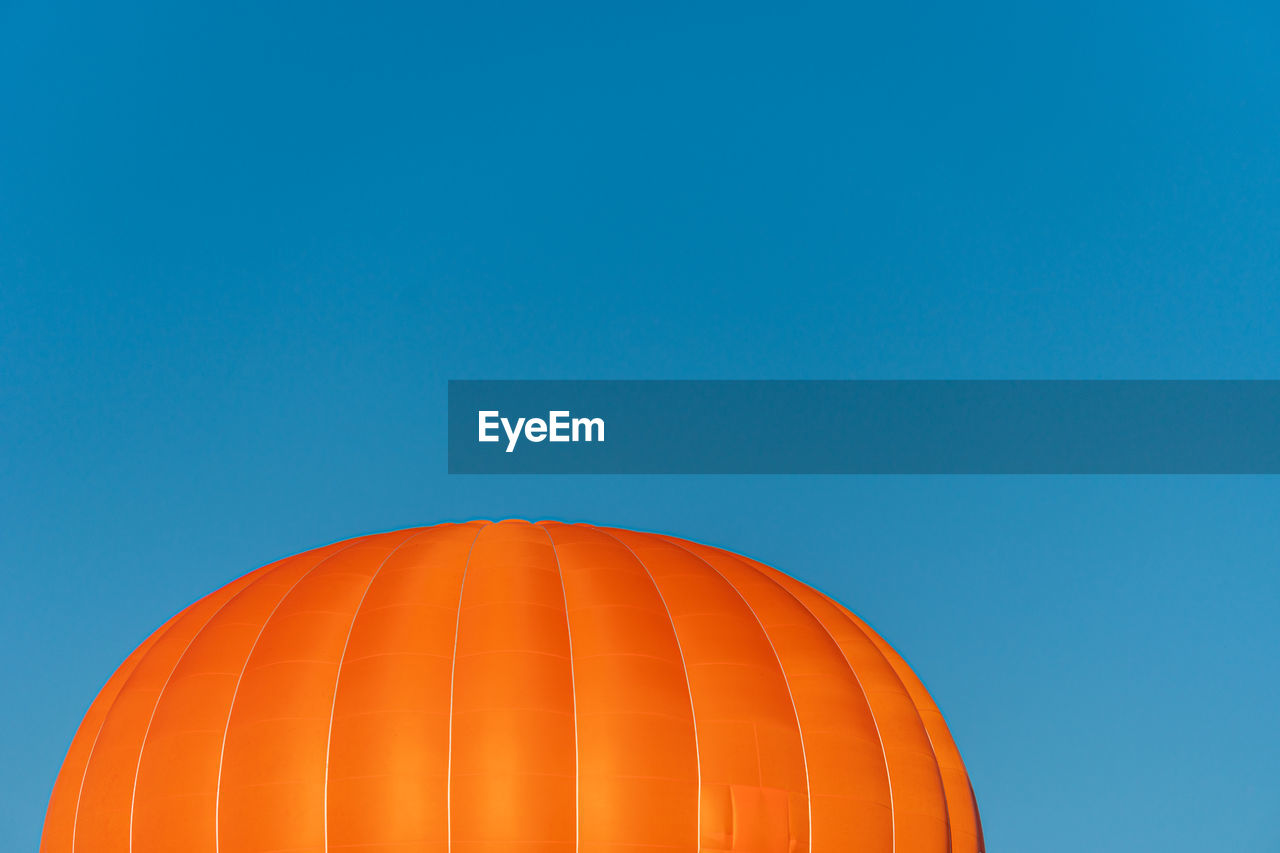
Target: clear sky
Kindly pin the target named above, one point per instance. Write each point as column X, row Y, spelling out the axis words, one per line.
column 244, row 245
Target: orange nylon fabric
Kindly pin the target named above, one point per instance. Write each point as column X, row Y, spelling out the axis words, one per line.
column 487, row 687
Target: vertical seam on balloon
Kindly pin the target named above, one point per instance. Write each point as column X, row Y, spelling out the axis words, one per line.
column 693, row 714
column 75, row 815
column 893, row 827
column 881, row 644
column 226, row 728
column 573, row 687
column 337, row 678
column 795, row 712
column 133, row 794
column 871, row 636
column 453, row 670
column 977, row 817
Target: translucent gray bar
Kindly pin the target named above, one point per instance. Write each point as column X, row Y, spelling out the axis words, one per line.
column 867, row 427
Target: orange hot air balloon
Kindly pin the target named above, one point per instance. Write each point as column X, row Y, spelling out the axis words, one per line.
column 513, row 687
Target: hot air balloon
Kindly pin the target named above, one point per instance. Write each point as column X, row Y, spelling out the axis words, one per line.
column 512, row 686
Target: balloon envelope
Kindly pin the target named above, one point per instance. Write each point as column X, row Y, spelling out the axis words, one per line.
column 513, row 686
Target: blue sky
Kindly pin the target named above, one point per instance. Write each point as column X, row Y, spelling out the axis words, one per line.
column 243, row 247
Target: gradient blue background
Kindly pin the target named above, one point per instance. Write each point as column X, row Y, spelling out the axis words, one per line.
column 242, row 249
